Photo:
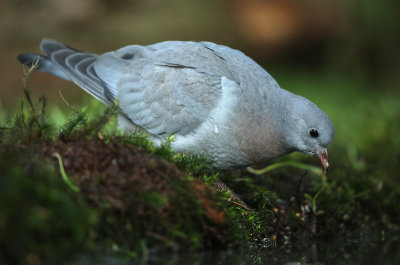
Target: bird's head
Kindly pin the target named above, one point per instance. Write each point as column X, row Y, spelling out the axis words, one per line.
column 309, row 130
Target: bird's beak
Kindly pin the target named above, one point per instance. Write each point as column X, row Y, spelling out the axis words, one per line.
column 323, row 156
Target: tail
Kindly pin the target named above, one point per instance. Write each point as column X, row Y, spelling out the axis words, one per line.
column 70, row 64
column 43, row 64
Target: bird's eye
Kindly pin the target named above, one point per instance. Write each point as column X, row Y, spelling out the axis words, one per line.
column 127, row 56
column 314, row 133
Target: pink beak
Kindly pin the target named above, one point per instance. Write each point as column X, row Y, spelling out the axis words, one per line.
column 323, row 156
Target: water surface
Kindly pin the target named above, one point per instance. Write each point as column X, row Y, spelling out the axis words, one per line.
column 355, row 249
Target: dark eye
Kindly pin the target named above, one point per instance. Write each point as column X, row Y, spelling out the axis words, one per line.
column 127, row 56
column 314, row 133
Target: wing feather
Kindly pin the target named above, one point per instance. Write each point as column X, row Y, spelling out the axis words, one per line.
column 170, row 87
column 172, row 100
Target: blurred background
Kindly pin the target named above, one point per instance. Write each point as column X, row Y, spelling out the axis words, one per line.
column 343, row 55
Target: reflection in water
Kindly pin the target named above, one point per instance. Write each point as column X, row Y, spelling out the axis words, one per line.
column 352, row 250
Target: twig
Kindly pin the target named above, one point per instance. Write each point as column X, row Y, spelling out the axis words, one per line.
column 66, row 102
column 312, row 169
column 64, row 175
column 315, row 170
column 241, row 205
column 25, row 85
column 232, row 195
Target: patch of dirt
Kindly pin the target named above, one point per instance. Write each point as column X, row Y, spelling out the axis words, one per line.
column 113, row 172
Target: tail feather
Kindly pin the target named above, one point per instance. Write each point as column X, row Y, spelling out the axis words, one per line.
column 44, row 64
column 49, row 46
column 70, row 64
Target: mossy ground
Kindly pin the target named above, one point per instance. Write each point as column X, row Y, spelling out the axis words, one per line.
column 121, row 195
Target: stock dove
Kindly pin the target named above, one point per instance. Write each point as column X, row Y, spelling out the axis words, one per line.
column 215, row 100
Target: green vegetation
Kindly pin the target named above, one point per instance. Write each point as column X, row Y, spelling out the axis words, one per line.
column 85, row 188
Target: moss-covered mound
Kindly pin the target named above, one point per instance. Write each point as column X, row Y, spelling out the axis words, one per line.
column 141, row 196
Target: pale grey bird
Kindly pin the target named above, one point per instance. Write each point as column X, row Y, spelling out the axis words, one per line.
column 215, row 100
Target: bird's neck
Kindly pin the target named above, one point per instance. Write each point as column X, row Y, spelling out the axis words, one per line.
column 262, row 138
column 282, row 106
